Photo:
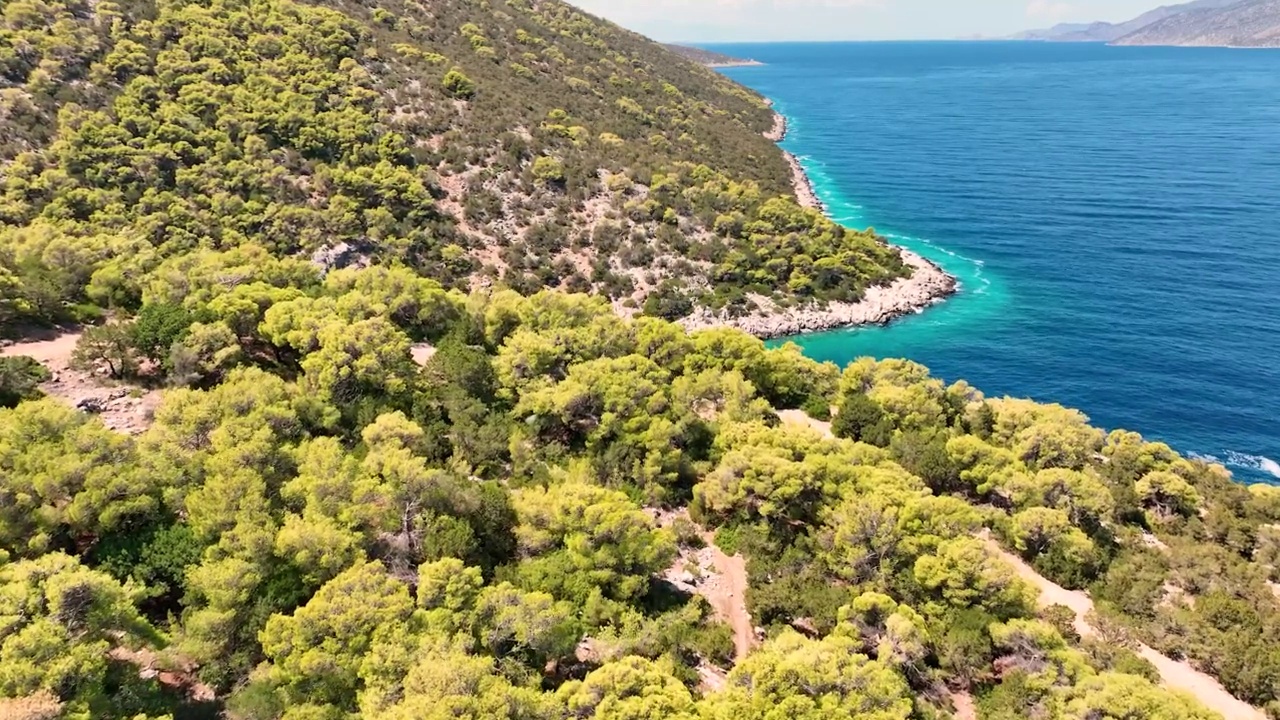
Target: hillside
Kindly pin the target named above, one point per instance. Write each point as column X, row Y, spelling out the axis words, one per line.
column 708, row 57
column 1109, row 32
column 530, row 146
column 1251, row 23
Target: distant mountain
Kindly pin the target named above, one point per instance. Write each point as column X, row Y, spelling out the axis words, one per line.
column 1251, row 23
column 1111, row 32
column 709, row 58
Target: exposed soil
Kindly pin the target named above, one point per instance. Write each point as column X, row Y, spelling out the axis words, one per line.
column 182, row 679
column 965, row 708
column 799, row 417
column 729, row 597
column 124, row 408
column 422, row 352
column 720, row 578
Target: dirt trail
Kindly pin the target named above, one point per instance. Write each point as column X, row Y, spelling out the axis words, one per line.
column 1176, row 675
column 965, row 708
column 729, row 597
column 1173, row 674
column 716, row 576
column 54, row 353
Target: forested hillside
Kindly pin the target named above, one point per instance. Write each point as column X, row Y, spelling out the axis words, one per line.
column 518, row 143
column 393, row 472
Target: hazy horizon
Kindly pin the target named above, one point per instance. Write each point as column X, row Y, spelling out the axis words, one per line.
column 734, row 21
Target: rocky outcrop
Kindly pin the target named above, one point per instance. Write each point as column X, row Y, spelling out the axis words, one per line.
column 778, row 132
column 927, row 285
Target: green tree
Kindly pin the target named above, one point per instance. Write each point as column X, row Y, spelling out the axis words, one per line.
column 576, row 539
column 858, row 417
column 316, row 652
column 794, row 677
column 109, row 347
column 630, row 689
column 157, row 327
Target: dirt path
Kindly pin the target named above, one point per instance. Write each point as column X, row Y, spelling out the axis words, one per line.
column 716, row 576
column 729, row 597
column 1173, row 674
column 965, row 708
column 54, row 353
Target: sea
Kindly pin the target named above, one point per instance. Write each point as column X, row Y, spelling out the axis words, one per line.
column 1112, row 214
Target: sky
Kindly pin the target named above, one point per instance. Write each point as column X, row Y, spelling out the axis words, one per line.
column 766, row 20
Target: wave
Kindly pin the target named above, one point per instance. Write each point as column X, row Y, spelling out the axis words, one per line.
column 1244, row 460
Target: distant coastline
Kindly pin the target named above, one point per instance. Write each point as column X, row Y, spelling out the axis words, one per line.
column 710, row 58
column 928, row 284
column 734, row 64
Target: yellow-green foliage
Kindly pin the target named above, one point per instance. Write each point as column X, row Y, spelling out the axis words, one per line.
column 325, row 525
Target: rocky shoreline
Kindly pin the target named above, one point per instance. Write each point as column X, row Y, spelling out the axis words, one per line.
column 880, row 305
column 927, row 285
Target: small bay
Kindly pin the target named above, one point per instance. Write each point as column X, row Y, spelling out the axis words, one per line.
column 1113, row 215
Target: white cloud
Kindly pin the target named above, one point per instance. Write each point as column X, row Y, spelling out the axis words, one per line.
column 1048, row 9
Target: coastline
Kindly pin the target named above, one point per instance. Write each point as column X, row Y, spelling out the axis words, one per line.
column 927, row 285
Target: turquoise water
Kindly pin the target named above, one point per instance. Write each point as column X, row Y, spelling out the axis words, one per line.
column 1113, row 215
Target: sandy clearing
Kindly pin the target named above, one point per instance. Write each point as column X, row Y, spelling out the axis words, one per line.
column 422, row 352
column 1173, row 674
column 124, row 408
column 799, row 417
column 54, row 353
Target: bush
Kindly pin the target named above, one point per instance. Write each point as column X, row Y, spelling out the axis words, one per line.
column 459, row 85
column 861, row 418
column 158, row 327
column 107, row 346
column 548, row 170
column 817, row 408
column 20, row 378
column 669, row 301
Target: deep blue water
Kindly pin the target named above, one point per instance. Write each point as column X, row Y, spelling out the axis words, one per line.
column 1112, row 213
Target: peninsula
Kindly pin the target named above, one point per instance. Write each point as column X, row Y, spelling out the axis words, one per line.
column 710, row 58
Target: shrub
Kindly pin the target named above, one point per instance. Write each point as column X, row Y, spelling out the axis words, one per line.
column 459, row 85
column 107, row 346
column 548, row 170
column 157, row 327
column 20, row 378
